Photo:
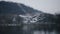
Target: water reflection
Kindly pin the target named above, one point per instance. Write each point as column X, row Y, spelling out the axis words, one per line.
column 26, row 29
column 44, row 32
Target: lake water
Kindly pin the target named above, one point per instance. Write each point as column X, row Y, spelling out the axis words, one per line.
column 44, row 32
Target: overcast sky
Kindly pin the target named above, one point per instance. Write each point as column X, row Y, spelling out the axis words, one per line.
column 50, row 6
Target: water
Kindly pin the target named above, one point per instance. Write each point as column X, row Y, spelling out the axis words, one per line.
column 44, row 32
column 26, row 30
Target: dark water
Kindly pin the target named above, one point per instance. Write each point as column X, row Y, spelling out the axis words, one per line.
column 25, row 30
column 45, row 32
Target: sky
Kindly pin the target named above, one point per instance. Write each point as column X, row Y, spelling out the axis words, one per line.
column 48, row 6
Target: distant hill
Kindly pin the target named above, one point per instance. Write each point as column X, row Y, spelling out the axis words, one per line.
column 15, row 8
column 21, row 9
